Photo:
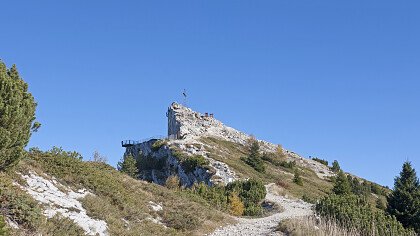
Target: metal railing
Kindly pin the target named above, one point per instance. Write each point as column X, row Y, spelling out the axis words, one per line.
column 129, row 143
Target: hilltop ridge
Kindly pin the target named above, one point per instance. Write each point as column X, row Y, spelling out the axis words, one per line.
column 189, row 132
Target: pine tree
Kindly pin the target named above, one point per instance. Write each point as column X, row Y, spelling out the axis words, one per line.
column 335, row 167
column 128, row 165
column 254, row 158
column 404, row 201
column 341, row 184
column 17, row 113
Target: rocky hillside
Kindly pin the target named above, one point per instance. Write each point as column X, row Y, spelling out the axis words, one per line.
column 194, row 134
column 199, row 181
column 54, row 193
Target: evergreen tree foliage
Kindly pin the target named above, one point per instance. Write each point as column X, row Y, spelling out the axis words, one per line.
column 355, row 213
column 17, row 113
column 404, row 201
column 128, row 165
column 254, row 159
column 341, row 184
column 335, row 166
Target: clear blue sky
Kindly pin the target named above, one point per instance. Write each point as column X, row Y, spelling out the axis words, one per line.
column 334, row 79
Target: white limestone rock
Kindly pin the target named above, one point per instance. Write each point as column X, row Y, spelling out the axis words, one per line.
column 66, row 203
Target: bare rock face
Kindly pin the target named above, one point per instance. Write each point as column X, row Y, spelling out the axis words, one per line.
column 186, row 124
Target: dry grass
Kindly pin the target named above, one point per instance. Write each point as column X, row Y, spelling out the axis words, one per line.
column 312, row 226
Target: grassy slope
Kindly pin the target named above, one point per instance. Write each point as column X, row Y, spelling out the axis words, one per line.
column 117, row 197
column 230, row 153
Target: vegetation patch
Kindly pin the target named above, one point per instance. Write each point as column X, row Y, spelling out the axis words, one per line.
column 322, row 161
column 123, row 202
column 243, row 197
column 355, row 213
column 190, row 163
column 158, row 144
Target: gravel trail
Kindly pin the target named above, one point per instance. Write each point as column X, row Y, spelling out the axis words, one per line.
column 266, row 225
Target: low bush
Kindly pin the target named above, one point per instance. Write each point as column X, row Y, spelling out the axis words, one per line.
column 190, row 163
column 309, row 199
column 59, row 225
column 118, row 198
column 158, row 144
column 322, row 161
column 278, row 160
column 250, row 192
column 3, row 229
column 288, row 164
column 297, row 179
column 18, row 205
column 353, row 212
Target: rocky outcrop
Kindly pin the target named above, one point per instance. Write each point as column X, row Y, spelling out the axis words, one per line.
column 186, row 124
column 186, row 128
column 159, row 163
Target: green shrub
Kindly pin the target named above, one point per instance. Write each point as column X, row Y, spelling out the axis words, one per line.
column 158, row 144
column 3, row 229
column 335, row 166
column 251, row 192
column 341, row 184
column 59, row 152
column 118, row 198
column 309, row 199
column 190, row 163
column 297, row 179
column 254, row 158
column 288, row 164
column 253, row 210
column 18, row 205
column 322, row 161
column 128, row 165
column 351, row 211
column 59, row 225
column 216, row 196
column 17, row 113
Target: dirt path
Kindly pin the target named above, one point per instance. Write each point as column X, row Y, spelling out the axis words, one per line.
column 267, row 225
